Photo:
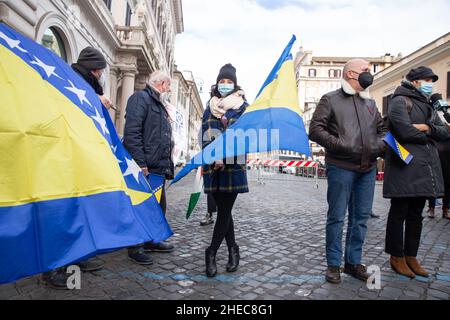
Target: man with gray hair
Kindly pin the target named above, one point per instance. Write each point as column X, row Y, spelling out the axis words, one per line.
column 148, row 138
column 348, row 124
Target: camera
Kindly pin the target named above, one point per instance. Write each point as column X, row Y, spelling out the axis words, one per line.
column 439, row 104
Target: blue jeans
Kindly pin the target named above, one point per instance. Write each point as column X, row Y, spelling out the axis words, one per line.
column 355, row 191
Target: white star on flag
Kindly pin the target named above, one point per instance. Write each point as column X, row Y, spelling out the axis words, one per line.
column 13, row 44
column 101, row 121
column 81, row 94
column 132, row 169
column 114, row 149
column 49, row 70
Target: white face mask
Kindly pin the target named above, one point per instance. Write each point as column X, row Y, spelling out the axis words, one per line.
column 102, row 80
column 165, row 97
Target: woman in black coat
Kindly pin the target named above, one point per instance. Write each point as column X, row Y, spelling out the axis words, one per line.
column 444, row 154
column 416, row 126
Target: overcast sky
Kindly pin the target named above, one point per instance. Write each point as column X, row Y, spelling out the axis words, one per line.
column 251, row 34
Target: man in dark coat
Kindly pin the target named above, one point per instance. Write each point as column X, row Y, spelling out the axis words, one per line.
column 148, row 138
column 348, row 124
column 444, row 155
column 416, row 126
column 91, row 67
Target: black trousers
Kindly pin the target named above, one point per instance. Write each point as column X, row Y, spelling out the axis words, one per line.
column 212, row 206
column 405, row 213
column 163, row 204
column 224, row 228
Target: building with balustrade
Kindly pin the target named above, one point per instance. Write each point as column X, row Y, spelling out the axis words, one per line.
column 137, row 37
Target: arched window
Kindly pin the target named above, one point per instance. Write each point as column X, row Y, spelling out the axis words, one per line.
column 53, row 41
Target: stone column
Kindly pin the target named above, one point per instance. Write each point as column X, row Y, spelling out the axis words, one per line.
column 127, row 91
column 113, row 75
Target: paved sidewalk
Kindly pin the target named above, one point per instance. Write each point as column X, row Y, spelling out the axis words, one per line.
column 280, row 229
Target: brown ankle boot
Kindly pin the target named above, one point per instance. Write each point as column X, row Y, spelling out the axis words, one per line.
column 398, row 264
column 445, row 214
column 415, row 266
column 430, row 213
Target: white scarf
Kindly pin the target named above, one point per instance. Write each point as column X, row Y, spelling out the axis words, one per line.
column 220, row 106
column 348, row 89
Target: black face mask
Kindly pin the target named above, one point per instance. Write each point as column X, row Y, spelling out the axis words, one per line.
column 365, row 80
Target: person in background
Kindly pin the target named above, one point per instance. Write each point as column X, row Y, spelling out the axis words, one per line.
column 212, row 206
column 444, row 156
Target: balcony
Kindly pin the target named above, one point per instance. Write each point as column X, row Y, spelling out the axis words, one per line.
column 136, row 40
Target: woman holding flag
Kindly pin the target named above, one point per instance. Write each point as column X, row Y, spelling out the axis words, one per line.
column 222, row 180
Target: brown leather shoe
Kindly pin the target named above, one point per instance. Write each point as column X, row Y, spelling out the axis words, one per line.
column 445, row 214
column 398, row 264
column 415, row 266
column 430, row 213
column 357, row 271
column 333, row 275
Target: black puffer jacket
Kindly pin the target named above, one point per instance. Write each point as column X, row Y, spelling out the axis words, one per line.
column 444, row 154
column 423, row 176
column 350, row 129
column 148, row 133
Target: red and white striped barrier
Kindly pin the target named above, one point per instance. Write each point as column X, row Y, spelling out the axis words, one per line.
column 277, row 163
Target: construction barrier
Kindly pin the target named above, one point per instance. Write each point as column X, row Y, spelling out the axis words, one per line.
column 285, row 170
column 280, row 163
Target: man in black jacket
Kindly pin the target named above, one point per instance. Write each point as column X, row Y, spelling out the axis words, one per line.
column 347, row 123
column 148, row 138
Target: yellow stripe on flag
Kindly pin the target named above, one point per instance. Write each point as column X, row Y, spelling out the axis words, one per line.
column 280, row 93
column 49, row 148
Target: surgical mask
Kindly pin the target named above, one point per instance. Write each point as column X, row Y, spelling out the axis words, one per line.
column 225, row 88
column 102, row 80
column 165, row 97
column 426, row 88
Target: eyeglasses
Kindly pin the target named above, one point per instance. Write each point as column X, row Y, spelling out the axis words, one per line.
column 365, row 70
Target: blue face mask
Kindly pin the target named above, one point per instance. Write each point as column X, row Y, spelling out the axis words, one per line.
column 225, row 88
column 426, row 88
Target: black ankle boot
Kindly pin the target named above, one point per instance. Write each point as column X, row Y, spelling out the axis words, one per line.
column 233, row 258
column 210, row 260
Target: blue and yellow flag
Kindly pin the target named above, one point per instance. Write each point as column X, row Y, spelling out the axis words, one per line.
column 157, row 184
column 273, row 122
column 398, row 148
column 68, row 188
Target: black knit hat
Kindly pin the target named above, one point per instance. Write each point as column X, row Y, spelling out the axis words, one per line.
column 227, row 72
column 421, row 73
column 92, row 59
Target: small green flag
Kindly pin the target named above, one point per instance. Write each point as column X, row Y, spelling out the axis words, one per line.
column 195, row 196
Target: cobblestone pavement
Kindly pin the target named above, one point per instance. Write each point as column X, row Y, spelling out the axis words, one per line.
column 280, row 229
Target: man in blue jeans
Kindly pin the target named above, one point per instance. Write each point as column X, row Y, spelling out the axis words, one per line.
column 349, row 126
